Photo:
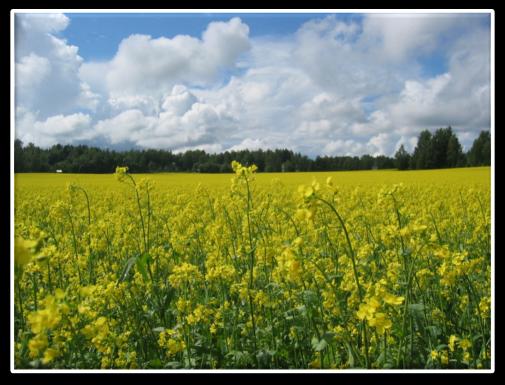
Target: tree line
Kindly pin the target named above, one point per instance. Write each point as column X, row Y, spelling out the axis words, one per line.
column 443, row 150
column 433, row 151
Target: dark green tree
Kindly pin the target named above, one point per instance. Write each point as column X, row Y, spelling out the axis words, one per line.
column 402, row 159
column 455, row 156
column 439, row 147
column 423, row 153
column 480, row 153
column 19, row 156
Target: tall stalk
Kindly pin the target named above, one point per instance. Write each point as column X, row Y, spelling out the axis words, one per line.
column 355, row 271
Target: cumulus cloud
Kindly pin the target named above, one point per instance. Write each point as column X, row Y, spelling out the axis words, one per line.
column 399, row 36
column 62, row 129
column 144, row 65
column 250, row 144
column 183, row 122
column 336, row 86
column 46, row 68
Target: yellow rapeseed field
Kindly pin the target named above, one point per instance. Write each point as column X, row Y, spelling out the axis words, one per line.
column 369, row 269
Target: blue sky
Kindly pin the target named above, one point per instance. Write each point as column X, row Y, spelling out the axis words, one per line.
column 98, row 35
column 319, row 83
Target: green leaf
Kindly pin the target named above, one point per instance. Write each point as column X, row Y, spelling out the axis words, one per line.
column 173, row 365
column 350, row 356
column 416, row 310
column 302, row 309
column 434, row 331
column 319, row 345
column 380, row 359
column 142, row 265
column 156, row 363
column 128, row 266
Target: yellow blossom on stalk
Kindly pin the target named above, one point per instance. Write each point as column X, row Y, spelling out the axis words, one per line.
column 485, row 306
column 308, row 192
column 298, row 242
column 172, row 341
column 368, row 309
column 23, row 251
column 184, row 273
column 241, row 170
column 260, row 298
column 380, row 322
column 45, row 318
column 465, row 343
column 49, row 355
column 392, row 300
column 434, row 355
column 304, row 215
column 452, row 341
column 37, row 345
column 121, row 173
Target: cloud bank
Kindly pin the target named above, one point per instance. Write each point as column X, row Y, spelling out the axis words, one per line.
column 335, row 87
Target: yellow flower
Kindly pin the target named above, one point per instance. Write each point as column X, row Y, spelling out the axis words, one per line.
column 452, row 341
column 298, row 242
column 49, row 355
column 367, row 310
column 121, row 173
column 23, row 251
column 44, row 319
column 380, row 322
column 465, row 343
column 392, row 300
column 37, row 345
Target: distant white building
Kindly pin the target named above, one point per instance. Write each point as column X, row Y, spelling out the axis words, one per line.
column 59, row 171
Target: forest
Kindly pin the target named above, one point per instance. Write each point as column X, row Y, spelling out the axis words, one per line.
column 441, row 149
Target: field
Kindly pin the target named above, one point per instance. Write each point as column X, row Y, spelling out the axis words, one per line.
column 369, row 269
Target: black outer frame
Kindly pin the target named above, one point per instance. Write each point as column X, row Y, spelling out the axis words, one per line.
column 221, row 377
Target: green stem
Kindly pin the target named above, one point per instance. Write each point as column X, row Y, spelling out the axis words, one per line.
column 355, row 271
column 140, row 212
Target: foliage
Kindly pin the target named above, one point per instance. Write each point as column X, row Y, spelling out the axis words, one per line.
column 480, row 153
column 440, row 150
column 402, row 159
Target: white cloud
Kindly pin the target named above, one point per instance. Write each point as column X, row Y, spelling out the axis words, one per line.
column 179, row 101
column 60, row 125
column 344, row 147
column 125, row 127
column 250, row 144
column 55, row 129
column 31, row 71
column 47, row 80
column 397, row 36
column 184, row 122
column 42, row 22
column 143, row 65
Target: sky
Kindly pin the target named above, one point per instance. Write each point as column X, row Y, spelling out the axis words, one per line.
column 317, row 83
